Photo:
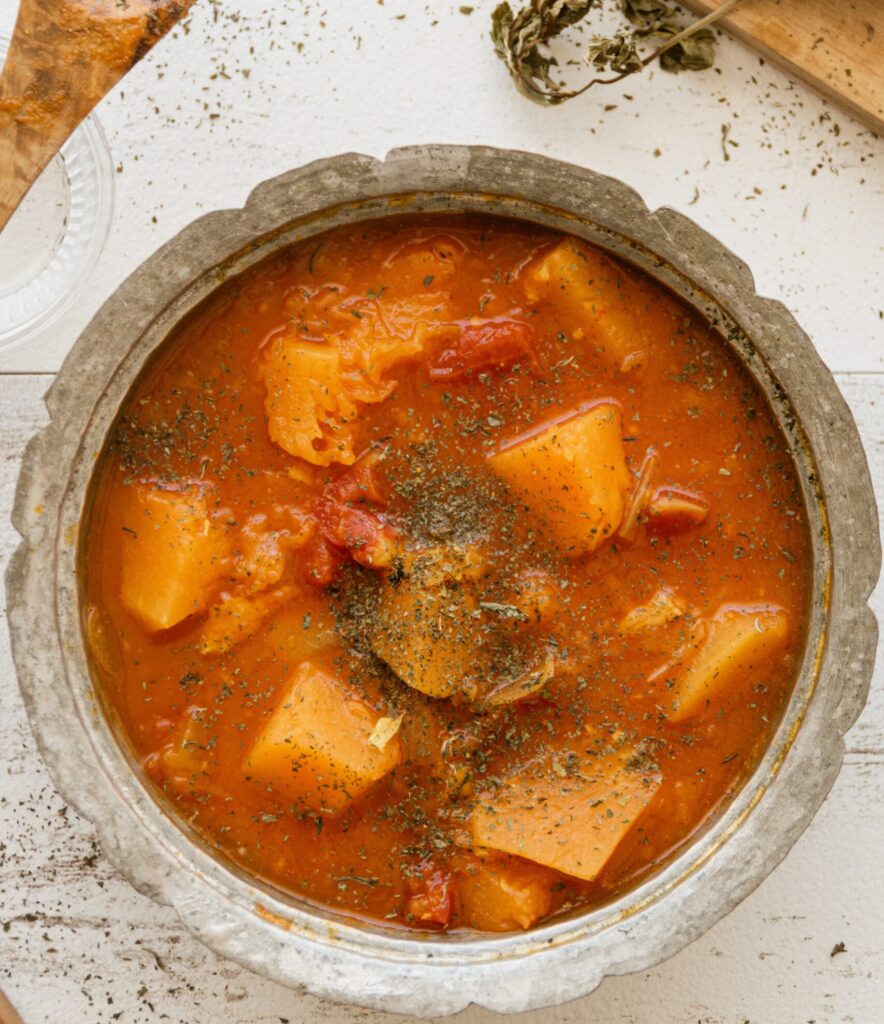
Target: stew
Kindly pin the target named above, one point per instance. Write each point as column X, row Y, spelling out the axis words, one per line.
column 445, row 571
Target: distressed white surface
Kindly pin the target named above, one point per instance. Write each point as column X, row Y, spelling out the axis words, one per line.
column 77, row 944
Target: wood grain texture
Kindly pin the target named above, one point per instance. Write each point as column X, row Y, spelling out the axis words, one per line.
column 8, row 1013
column 835, row 46
column 63, row 58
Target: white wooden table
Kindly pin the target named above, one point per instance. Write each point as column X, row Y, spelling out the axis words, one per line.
column 252, row 88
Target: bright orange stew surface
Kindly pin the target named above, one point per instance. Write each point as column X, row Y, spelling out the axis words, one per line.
column 446, row 572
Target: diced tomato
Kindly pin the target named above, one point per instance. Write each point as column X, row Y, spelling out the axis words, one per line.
column 432, row 903
column 321, row 561
column 346, row 521
column 368, row 539
column 671, row 510
column 484, row 346
column 359, row 482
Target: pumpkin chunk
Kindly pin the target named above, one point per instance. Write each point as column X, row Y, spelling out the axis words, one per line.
column 314, row 390
column 592, row 295
column 237, row 617
column 303, row 629
column 316, row 748
column 572, row 474
column 527, row 684
column 174, row 554
column 740, row 641
column 427, row 632
column 501, row 895
column 567, row 815
column 308, row 412
column 262, row 552
column 439, row 637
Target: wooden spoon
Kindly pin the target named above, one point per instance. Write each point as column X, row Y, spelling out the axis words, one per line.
column 7, row 1012
column 65, row 55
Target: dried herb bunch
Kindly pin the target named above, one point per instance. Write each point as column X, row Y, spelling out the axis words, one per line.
column 519, row 38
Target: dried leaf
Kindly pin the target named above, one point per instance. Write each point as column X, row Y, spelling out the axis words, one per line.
column 654, row 18
column 505, row 611
column 618, row 53
column 641, row 12
column 518, row 38
column 696, row 53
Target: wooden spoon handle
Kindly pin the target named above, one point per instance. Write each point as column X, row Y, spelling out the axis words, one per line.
column 64, row 57
column 7, row 1012
column 29, row 134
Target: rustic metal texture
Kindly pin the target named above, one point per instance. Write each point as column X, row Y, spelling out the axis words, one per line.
column 372, row 965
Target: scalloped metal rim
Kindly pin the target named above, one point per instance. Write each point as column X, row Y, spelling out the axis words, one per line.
column 332, row 956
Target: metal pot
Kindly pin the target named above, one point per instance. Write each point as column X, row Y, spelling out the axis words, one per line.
column 291, row 941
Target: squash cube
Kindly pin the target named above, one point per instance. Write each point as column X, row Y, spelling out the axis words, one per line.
column 501, row 895
column 316, row 749
column 424, row 641
column 237, row 617
column 565, row 819
column 591, row 294
column 174, row 554
column 313, row 390
column 303, row 629
column 741, row 640
column 427, row 633
column 308, row 412
column 261, row 553
column 369, row 349
column 573, row 475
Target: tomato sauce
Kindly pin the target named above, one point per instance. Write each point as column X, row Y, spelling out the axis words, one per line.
column 446, row 572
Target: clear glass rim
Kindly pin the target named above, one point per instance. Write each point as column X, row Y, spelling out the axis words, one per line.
column 92, row 147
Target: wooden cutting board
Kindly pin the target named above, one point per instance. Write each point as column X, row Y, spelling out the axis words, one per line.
column 835, row 46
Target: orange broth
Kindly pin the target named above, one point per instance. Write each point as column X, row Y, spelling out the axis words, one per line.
column 445, row 572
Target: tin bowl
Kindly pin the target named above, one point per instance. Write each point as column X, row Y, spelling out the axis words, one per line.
column 316, row 950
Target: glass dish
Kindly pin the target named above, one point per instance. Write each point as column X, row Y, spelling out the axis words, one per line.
column 51, row 244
